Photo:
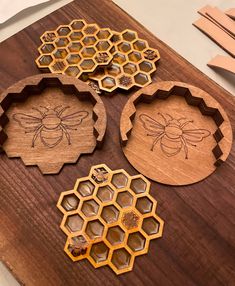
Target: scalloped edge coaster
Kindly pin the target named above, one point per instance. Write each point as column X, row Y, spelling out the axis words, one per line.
column 49, row 120
column 109, row 218
column 175, row 133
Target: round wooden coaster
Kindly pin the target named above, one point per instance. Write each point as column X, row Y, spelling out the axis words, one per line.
column 175, row 133
column 49, row 120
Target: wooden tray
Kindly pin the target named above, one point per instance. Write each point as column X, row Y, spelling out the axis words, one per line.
column 175, row 133
column 197, row 246
column 49, row 120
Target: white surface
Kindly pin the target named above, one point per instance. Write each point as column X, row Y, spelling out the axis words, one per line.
column 7, row 11
column 6, row 278
column 27, row 16
column 171, row 21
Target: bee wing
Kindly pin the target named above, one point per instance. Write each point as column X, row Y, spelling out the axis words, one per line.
column 150, row 124
column 74, row 119
column 195, row 135
column 28, row 122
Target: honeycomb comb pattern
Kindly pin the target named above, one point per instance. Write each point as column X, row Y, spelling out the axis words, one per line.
column 109, row 218
column 75, row 49
column 132, row 64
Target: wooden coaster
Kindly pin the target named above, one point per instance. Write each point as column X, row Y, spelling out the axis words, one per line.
column 109, row 218
column 132, row 64
column 50, row 120
column 175, row 133
column 75, row 49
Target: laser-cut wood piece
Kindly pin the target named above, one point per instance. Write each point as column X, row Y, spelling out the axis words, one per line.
column 75, row 49
column 109, row 218
column 223, row 62
column 50, row 120
column 132, row 65
column 231, row 13
column 175, row 133
column 216, row 34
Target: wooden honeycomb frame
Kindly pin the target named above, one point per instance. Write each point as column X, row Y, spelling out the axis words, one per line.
column 75, row 49
column 109, row 218
column 132, row 65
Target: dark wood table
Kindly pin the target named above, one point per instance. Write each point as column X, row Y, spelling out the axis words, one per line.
column 197, row 247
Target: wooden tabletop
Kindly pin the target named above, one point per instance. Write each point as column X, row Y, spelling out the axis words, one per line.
column 197, row 247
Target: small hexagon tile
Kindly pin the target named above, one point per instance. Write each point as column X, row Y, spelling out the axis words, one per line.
column 132, row 64
column 109, row 218
column 75, row 49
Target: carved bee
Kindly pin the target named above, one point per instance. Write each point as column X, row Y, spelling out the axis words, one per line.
column 51, row 125
column 172, row 134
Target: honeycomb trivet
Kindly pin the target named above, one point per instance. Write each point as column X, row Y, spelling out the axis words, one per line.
column 132, row 64
column 109, row 218
column 75, row 49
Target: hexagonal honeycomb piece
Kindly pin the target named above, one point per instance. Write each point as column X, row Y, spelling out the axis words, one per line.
column 82, row 47
column 109, row 218
column 133, row 60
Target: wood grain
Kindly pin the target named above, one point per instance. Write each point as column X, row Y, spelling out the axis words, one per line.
column 198, row 241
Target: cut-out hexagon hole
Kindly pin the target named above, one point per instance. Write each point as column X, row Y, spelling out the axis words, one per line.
column 47, row 48
column 73, row 59
column 75, row 47
column 87, row 64
column 108, row 82
column 125, row 199
column 113, row 70
column 89, row 41
column 139, row 45
column 105, row 194
column 99, row 252
column 90, row 208
column 124, row 47
column 94, row 229
column 121, row 258
column 61, row 42
column 141, row 78
column 91, row 29
column 102, row 45
column 119, row 58
column 63, row 31
column 134, row 56
column 45, row 60
column 138, row 185
column 72, row 71
column 129, row 36
column 115, row 235
column 119, row 180
column 48, row 37
column 144, row 205
column 60, row 54
column 88, row 52
column 74, row 223
column 150, row 225
column 70, row 202
column 110, row 214
column 103, row 34
column 75, row 36
column 130, row 68
column 77, row 245
column 86, row 188
column 77, row 24
column 125, row 81
column 58, row 66
column 146, row 66
column 136, row 241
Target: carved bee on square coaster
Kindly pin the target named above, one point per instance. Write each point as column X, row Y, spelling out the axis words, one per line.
column 109, row 218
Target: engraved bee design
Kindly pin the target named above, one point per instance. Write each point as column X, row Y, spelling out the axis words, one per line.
column 172, row 135
column 51, row 125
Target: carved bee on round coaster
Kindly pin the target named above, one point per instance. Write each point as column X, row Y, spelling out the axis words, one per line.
column 109, row 218
column 175, row 133
column 50, row 120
